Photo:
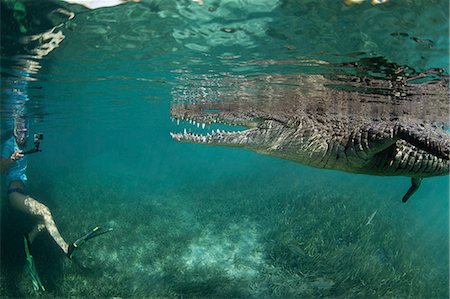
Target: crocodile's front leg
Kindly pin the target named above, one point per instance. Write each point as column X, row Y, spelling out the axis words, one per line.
column 415, row 183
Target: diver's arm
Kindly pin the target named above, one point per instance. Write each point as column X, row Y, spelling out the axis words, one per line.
column 6, row 163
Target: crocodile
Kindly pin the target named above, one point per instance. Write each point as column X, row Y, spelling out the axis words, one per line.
column 371, row 126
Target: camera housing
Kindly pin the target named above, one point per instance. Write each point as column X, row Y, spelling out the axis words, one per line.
column 38, row 137
column 37, row 142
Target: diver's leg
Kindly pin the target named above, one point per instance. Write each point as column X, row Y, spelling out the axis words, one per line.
column 35, row 232
column 31, row 206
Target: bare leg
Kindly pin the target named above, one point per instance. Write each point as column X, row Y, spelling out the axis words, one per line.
column 31, row 206
column 36, row 230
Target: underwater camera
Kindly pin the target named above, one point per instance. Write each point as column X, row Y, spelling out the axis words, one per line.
column 37, row 142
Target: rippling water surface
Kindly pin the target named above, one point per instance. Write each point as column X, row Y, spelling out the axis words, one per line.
column 196, row 221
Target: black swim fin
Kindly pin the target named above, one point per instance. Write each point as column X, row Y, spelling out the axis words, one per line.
column 415, row 183
column 92, row 234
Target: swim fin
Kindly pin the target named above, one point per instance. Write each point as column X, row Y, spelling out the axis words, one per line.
column 95, row 232
column 30, row 267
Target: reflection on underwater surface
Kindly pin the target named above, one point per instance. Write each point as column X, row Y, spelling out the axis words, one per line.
column 197, row 221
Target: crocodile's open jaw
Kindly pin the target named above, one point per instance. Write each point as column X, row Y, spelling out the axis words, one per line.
column 218, row 126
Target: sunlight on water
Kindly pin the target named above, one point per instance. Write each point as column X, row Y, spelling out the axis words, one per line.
column 192, row 220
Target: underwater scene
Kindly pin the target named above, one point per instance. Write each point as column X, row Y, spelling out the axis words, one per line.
column 225, row 149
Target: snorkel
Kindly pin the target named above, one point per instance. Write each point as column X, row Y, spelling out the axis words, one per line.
column 20, row 132
column 21, row 135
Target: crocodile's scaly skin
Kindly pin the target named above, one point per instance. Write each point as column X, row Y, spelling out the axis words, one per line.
column 337, row 129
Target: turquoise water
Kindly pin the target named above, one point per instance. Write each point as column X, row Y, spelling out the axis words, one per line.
column 196, row 221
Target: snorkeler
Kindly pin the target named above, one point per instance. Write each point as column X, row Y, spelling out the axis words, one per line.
column 14, row 163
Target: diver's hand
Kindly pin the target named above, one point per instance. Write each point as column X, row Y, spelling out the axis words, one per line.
column 17, row 155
